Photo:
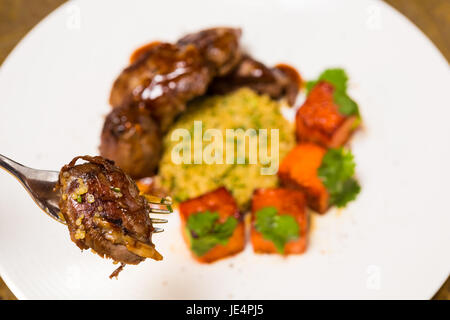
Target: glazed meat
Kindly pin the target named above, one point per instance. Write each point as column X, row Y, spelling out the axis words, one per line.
column 218, row 46
column 104, row 211
column 281, row 81
column 154, row 90
column 132, row 139
column 162, row 80
column 165, row 76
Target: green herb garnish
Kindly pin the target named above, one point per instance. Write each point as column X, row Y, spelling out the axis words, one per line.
column 336, row 172
column 205, row 232
column 338, row 78
column 277, row 228
column 115, row 189
column 79, row 200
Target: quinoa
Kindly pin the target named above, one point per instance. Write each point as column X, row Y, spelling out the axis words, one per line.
column 242, row 109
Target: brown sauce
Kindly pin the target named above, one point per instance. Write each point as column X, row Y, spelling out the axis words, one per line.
column 139, row 52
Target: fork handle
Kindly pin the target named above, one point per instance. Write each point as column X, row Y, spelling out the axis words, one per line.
column 24, row 173
column 40, row 184
column 32, row 179
column 16, row 169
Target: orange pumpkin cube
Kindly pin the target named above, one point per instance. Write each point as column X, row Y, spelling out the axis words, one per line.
column 318, row 120
column 285, row 202
column 151, row 186
column 221, row 204
column 299, row 170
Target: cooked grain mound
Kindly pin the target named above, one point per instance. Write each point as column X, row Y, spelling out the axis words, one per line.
column 242, row 109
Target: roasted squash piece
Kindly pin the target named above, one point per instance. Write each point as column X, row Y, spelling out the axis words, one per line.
column 319, row 119
column 212, row 226
column 299, row 170
column 279, row 221
column 151, row 186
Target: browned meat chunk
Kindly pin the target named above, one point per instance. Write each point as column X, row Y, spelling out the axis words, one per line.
column 132, row 139
column 162, row 80
column 165, row 76
column 281, row 81
column 218, row 46
column 104, row 211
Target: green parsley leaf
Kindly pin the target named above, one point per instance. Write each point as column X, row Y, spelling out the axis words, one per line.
column 310, row 85
column 348, row 192
column 336, row 172
column 347, row 106
column 277, row 228
column 205, row 231
column 338, row 78
column 201, row 223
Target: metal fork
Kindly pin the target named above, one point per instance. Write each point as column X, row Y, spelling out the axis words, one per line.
column 40, row 185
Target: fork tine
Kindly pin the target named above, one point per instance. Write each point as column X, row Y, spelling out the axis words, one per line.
column 159, row 205
column 156, row 200
column 158, row 230
column 167, row 200
column 160, row 211
column 156, row 220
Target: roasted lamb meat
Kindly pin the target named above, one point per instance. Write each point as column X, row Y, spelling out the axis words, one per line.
column 281, row 81
column 218, row 46
column 104, row 211
column 166, row 76
column 132, row 139
column 161, row 79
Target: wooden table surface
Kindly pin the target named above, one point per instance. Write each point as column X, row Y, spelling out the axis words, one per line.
column 17, row 17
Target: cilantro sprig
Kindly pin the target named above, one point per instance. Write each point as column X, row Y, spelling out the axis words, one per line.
column 205, row 231
column 336, row 172
column 338, row 78
column 277, row 228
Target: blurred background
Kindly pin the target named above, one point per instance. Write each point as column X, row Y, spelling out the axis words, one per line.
column 17, row 17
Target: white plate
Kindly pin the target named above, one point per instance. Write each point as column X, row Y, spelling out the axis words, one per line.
column 390, row 243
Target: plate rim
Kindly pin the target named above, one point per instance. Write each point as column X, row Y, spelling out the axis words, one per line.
column 7, row 61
